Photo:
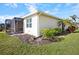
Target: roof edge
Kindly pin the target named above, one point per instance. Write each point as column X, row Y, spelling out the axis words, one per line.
column 41, row 12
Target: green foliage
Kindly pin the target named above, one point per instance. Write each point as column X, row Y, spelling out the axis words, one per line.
column 47, row 33
column 77, row 31
column 2, row 27
column 58, row 30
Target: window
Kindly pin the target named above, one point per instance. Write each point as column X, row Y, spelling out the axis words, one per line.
column 29, row 23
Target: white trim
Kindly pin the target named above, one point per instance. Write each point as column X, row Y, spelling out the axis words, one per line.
column 39, row 12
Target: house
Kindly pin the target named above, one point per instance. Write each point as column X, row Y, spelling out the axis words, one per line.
column 14, row 25
column 17, row 25
column 33, row 23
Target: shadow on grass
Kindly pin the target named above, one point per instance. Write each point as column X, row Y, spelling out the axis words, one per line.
column 76, row 32
column 62, row 34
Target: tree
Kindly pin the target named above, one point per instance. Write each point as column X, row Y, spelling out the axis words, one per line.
column 60, row 23
column 2, row 26
column 74, row 17
column 7, row 24
column 64, row 23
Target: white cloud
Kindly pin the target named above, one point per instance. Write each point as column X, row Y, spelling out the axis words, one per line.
column 4, row 17
column 47, row 11
column 54, row 10
column 31, row 7
column 75, row 9
column 68, row 4
column 13, row 5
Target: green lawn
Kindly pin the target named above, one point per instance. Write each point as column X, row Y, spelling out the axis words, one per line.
column 77, row 30
column 12, row 45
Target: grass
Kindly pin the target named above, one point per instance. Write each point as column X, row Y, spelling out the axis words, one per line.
column 10, row 45
column 77, row 31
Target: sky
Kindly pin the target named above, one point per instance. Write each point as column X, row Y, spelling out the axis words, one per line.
column 62, row 10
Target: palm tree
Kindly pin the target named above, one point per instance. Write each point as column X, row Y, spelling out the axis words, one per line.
column 60, row 23
column 64, row 23
column 74, row 17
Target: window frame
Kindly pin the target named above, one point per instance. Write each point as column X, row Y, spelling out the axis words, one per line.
column 29, row 23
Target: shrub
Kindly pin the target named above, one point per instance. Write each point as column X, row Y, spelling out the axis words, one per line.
column 2, row 26
column 47, row 33
column 1, row 29
column 77, row 31
column 71, row 29
column 57, row 30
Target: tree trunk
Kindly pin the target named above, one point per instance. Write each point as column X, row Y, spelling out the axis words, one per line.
column 63, row 27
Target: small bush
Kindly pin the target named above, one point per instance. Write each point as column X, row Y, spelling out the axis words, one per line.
column 1, row 29
column 47, row 33
column 77, row 31
column 71, row 29
column 57, row 30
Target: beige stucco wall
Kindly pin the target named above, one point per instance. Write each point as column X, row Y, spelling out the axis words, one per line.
column 34, row 29
column 47, row 22
column 39, row 22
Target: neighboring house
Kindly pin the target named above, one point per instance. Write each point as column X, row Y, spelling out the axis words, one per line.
column 14, row 25
column 33, row 23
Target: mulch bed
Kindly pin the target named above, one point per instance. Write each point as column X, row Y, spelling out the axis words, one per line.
column 24, row 37
column 33, row 40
